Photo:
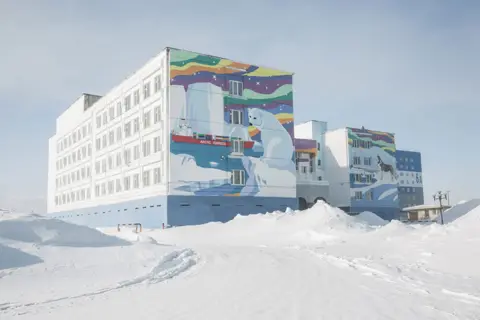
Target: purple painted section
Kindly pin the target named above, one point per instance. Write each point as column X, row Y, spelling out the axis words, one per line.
column 305, row 144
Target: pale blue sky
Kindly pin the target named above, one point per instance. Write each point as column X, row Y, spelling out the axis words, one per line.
column 408, row 67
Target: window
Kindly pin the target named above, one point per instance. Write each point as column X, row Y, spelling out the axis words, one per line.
column 156, row 144
column 97, row 167
column 119, row 134
column 88, row 193
column 319, row 162
column 128, row 129
column 127, row 156
column 104, row 141
column 237, row 146
column 88, row 172
column 357, row 177
column 119, row 158
column 136, row 152
column 126, row 183
column 318, row 146
column 238, row 177
column 127, row 103
column 84, row 151
column 146, row 148
column 408, row 189
column 119, row 109
column 367, row 161
column 136, row 97
column 104, row 165
column 83, row 173
column 74, row 137
column 104, row 189
column 118, row 185
column 111, row 137
column 368, row 178
column 110, row 187
column 236, row 116
column 304, row 169
column 89, row 128
column 146, row 90
column 146, row 119
column 89, row 150
column 156, row 115
column 136, row 125
column 110, row 162
column 236, row 88
column 136, row 181
column 157, row 83
column 413, row 189
column 369, row 195
column 105, row 118
column 156, row 176
column 358, row 195
column 146, row 178
column 111, row 113
column 356, row 161
column 99, row 121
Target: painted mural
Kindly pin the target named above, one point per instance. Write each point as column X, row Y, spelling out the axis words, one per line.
column 231, row 128
column 373, row 174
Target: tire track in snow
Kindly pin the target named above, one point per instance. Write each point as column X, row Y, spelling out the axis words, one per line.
column 169, row 266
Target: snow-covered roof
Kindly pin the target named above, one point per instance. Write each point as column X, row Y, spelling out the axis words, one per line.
column 425, row 207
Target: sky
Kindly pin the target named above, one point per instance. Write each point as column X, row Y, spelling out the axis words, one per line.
column 407, row 67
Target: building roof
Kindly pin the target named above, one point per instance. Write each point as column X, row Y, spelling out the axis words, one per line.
column 425, row 207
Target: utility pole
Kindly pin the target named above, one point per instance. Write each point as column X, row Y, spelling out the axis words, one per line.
column 440, row 196
column 448, row 197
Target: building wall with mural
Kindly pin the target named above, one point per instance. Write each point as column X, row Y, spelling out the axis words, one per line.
column 231, row 128
column 373, row 172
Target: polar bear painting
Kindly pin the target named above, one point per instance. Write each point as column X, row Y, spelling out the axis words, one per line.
column 277, row 144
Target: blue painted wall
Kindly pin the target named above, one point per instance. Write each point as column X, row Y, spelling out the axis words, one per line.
column 410, row 187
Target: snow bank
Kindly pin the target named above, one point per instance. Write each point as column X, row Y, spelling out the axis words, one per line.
column 371, row 218
column 38, row 230
column 15, row 258
column 459, row 210
column 321, row 223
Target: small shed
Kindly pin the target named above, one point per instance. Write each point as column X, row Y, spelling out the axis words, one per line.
column 424, row 212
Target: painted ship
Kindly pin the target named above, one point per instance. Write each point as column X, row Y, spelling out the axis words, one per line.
column 209, row 139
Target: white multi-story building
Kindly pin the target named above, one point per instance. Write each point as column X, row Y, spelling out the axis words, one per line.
column 111, row 149
column 188, row 138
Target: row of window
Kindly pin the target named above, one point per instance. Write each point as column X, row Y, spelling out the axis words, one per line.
column 78, row 175
column 407, row 189
column 129, row 128
column 358, row 178
column 129, row 154
column 73, row 196
column 149, row 177
column 129, row 101
column 75, row 137
column 406, row 159
column 357, row 143
column 367, row 161
column 406, row 167
column 74, row 157
column 367, row 196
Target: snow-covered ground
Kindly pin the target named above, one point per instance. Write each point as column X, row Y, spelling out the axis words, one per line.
column 315, row 264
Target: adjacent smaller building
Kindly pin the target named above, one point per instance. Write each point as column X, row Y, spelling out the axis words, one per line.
column 360, row 166
column 410, row 181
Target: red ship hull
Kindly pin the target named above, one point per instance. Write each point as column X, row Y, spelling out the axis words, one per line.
column 220, row 143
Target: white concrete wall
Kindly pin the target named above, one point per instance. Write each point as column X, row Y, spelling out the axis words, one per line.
column 314, row 130
column 337, row 166
column 75, row 120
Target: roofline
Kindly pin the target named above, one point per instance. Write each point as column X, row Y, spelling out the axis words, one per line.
column 214, row 56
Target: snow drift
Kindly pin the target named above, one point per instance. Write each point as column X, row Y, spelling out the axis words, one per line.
column 45, row 231
column 319, row 224
column 15, row 258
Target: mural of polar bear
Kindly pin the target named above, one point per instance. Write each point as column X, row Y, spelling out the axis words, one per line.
column 277, row 144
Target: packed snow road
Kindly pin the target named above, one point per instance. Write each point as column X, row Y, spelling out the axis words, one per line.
column 318, row 264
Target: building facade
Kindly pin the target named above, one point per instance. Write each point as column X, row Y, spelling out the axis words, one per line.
column 310, row 163
column 361, row 170
column 186, row 139
column 410, row 180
